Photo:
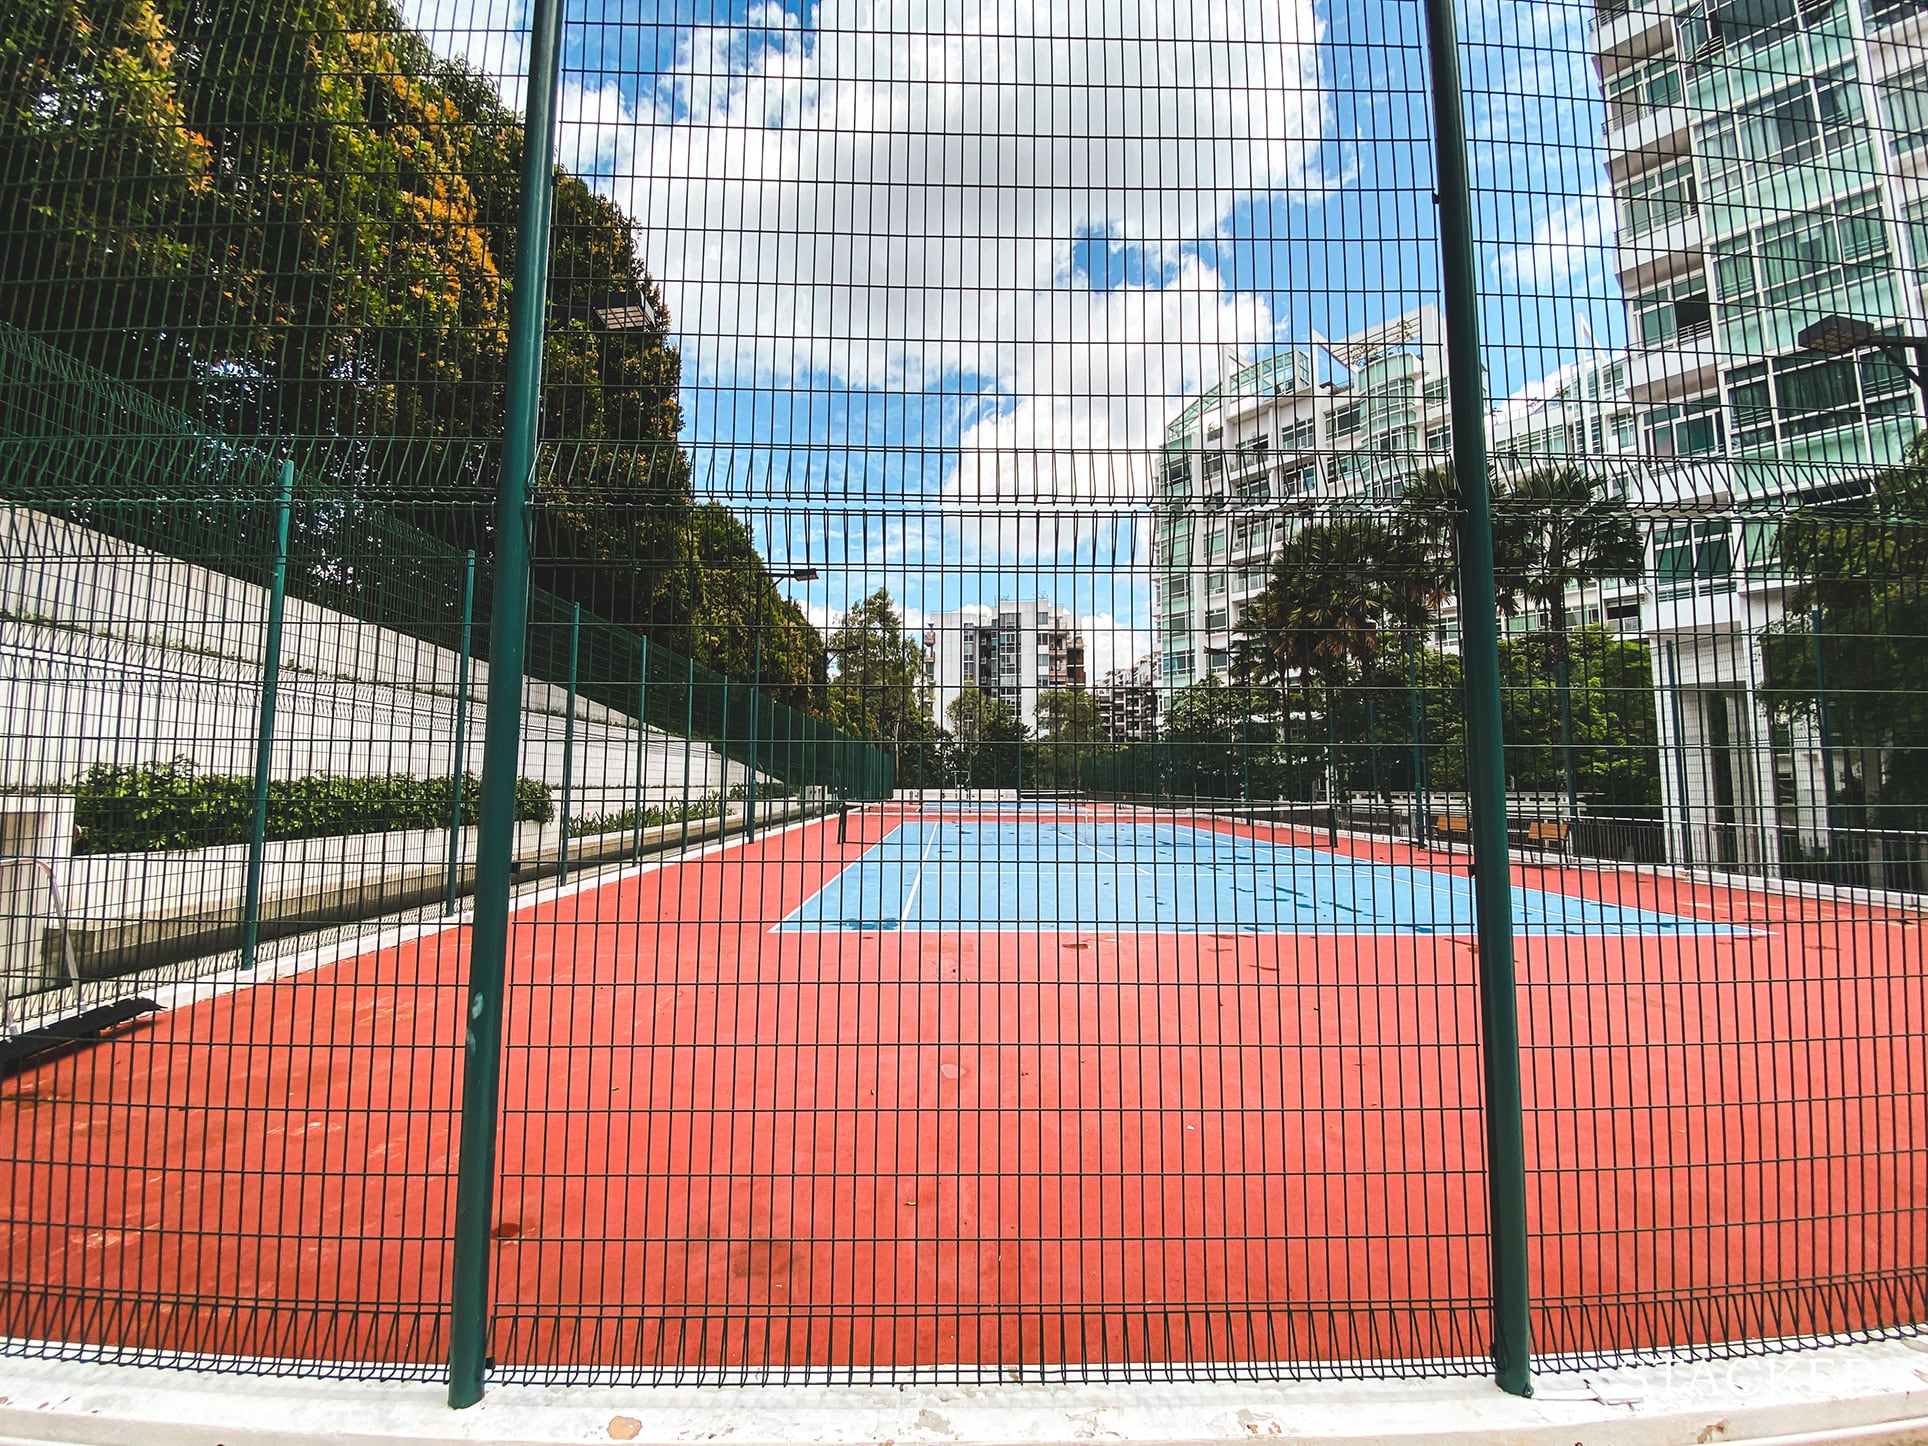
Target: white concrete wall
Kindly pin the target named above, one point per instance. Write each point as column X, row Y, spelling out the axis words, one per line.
column 1717, row 660
column 113, row 654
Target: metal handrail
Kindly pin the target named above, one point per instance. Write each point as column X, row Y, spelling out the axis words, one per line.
column 66, row 935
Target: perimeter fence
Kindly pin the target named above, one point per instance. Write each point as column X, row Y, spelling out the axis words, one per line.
column 1031, row 827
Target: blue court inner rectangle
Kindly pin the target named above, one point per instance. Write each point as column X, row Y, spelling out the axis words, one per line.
column 1041, row 876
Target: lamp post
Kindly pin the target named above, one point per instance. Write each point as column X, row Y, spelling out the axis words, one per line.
column 1846, row 335
column 795, row 574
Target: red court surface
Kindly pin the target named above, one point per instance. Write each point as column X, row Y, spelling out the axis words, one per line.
column 724, row 1146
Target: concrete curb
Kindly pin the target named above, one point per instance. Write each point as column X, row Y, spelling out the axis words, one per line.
column 1867, row 1393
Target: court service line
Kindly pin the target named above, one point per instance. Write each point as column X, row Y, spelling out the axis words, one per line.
column 1077, row 842
column 918, row 882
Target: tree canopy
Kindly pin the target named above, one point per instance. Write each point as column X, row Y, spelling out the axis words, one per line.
column 295, row 224
column 877, row 679
column 1858, row 609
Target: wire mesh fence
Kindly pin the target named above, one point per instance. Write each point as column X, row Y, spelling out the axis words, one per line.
column 1016, row 834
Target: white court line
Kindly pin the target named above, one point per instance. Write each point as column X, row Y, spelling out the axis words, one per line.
column 1080, row 843
column 380, row 936
column 917, row 883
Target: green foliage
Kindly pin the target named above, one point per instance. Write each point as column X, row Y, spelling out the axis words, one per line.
column 1861, row 568
column 1337, row 591
column 1615, row 738
column 986, row 743
column 173, row 806
column 710, row 805
column 1219, row 740
column 877, row 689
column 1611, row 703
column 1553, row 528
column 1335, row 634
column 1071, row 731
column 291, row 220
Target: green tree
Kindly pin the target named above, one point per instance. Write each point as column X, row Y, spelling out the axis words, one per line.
column 1220, row 740
column 1860, row 571
column 293, row 223
column 1069, row 731
column 1337, row 591
column 877, row 682
column 987, row 739
column 99, row 164
column 1556, row 528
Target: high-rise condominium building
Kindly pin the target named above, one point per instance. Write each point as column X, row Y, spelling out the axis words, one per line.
column 1350, row 421
column 1012, row 652
column 1127, row 700
column 1769, row 164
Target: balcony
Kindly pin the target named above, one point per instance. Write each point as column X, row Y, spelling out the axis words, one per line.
column 1660, row 255
column 1691, row 368
column 1883, row 13
column 1669, row 484
column 1660, row 133
column 1629, row 30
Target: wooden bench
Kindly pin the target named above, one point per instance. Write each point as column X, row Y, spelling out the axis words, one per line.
column 1547, row 834
column 1538, row 833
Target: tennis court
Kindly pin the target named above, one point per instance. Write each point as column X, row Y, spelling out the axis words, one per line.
column 993, row 1091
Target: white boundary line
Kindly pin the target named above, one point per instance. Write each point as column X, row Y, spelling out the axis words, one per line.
column 522, row 901
column 917, row 883
column 1867, row 1393
column 1709, row 928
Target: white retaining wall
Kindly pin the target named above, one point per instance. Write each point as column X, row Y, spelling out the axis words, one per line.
column 110, row 653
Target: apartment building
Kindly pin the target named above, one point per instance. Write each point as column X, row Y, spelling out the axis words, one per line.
column 1345, row 422
column 1127, row 700
column 1769, row 164
column 1012, row 651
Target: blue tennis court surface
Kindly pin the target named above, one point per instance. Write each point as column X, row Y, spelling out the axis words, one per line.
column 1168, row 878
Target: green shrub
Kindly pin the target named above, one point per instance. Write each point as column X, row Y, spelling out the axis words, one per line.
column 589, row 825
column 173, row 806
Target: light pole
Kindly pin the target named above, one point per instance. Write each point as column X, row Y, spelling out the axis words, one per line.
column 1846, row 335
column 796, row 574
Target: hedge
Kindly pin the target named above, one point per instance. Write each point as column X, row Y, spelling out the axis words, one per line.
column 173, row 806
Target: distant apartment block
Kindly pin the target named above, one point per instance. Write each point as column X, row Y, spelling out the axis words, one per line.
column 1127, row 700
column 1012, row 651
column 1348, row 421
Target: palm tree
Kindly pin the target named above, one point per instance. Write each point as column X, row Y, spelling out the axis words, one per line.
column 1337, row 589
column 1555, row 528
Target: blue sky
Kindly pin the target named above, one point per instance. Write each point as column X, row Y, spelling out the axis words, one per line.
column 943, row 269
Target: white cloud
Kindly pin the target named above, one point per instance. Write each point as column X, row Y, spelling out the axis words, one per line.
column 892, row 195
column 1567, row 242
column 1110, row 644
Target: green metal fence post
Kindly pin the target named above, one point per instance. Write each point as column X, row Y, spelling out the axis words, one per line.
column 459, row 774
column 1332, row 772
column 756, row 727
column 1419, row 743
column 1486, row 757
column 569, row 737
column 1245, row 754
column 502, row 728
column 1372, row 748
column 264, row 733
column 1563, row 676
column 642, row 747
column 723, row 823
column 1680, row 757
column 689, row 734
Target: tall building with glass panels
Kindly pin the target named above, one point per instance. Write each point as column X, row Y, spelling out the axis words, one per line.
column 1278, row 443
column 1769, row 166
